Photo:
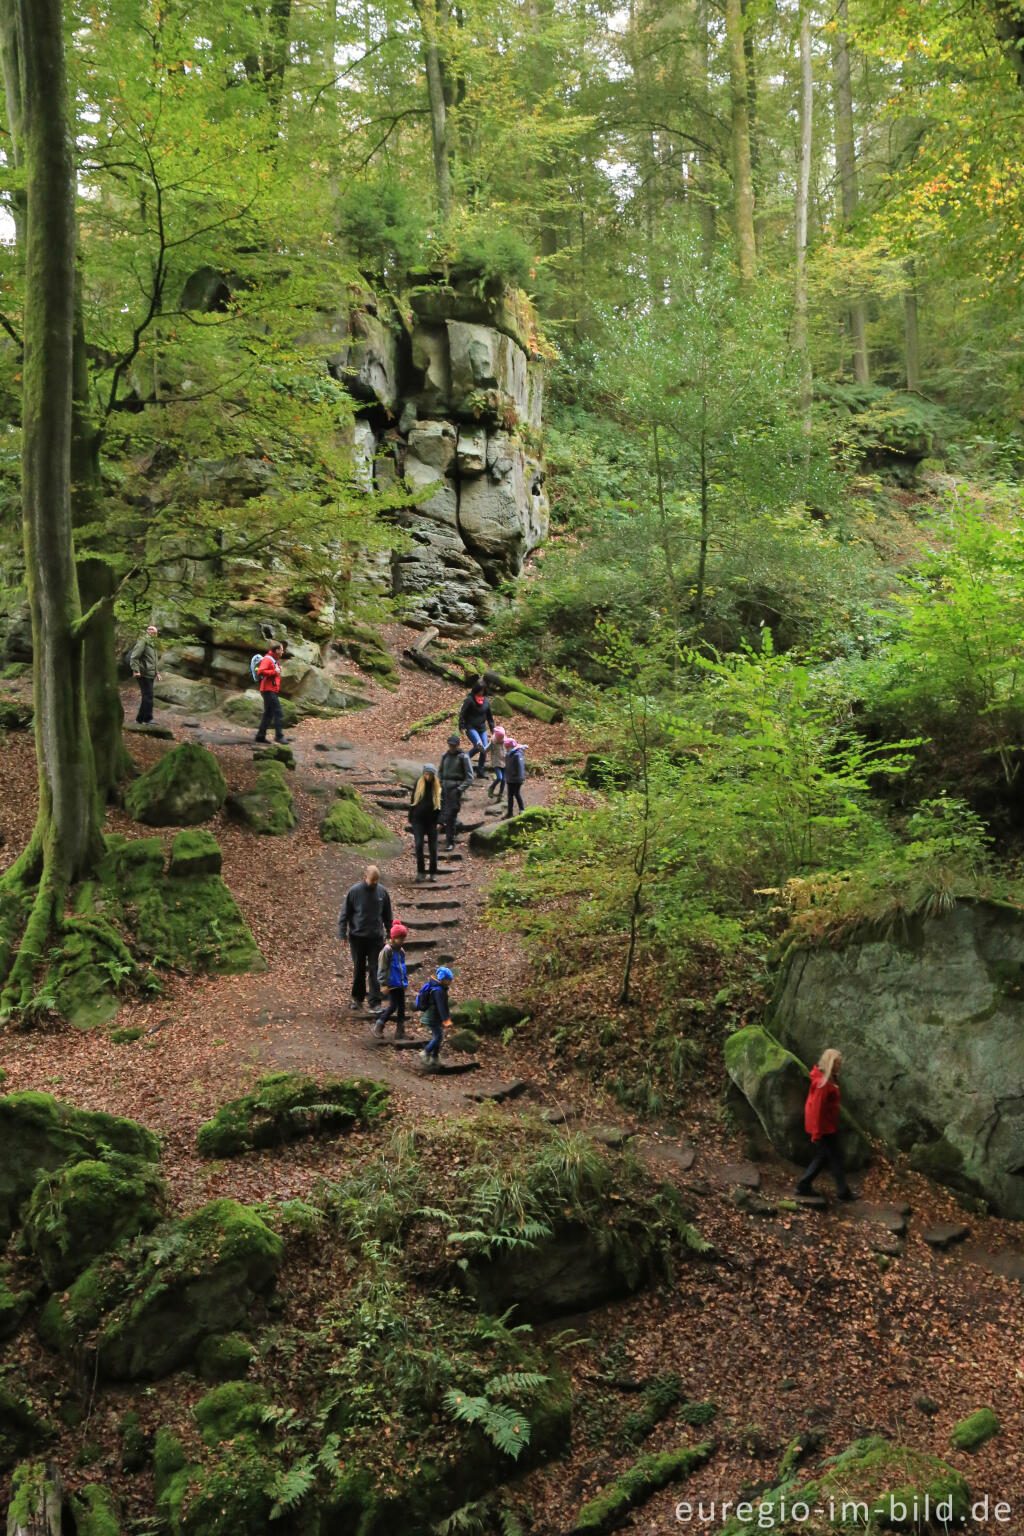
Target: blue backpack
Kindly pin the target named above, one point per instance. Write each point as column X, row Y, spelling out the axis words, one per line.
column 423, row 996
column 254, row 664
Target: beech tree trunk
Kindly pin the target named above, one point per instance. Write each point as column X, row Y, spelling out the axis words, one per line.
column 433, row 63
column 1009, row 20
column 742, row 174
column 705, row 163
column 846, row 162
column 803, row 191
column 911, row 335
column 67, row 839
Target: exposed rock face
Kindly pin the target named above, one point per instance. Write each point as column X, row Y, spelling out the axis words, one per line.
column 931, row 1027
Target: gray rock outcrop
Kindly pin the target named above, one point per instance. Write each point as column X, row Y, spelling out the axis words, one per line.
column 931, row 1026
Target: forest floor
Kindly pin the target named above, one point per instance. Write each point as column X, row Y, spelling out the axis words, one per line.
column 800, row 1319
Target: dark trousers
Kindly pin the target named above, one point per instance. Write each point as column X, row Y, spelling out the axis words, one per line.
column 515, row 791
column 428, row 836
column 828, row 1152
column 394, row 1010
column 451, row 802
column 272, row 715
column 145, row 713
column 364, row 963
column 433, row 1045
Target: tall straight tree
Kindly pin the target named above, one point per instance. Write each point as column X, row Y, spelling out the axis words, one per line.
column 803, row 191
column 67, row 839
column 846, row 161
column 742, row 170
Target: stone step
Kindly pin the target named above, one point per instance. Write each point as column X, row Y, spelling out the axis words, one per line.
column 422, row 943
column 436, row 906
column 435, row 922
column 449, row 858
column 945, row 1235
column 498, row 1093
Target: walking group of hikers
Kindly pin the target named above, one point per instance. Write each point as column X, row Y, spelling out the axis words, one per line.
column 380, row 970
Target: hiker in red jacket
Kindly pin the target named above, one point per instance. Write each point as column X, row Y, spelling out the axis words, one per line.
column 269, row 675
column 821, row 1122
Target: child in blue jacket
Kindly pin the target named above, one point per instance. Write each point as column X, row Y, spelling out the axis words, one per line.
column 437, row 1014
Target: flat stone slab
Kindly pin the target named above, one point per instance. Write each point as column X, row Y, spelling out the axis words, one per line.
column 612, row 1136
column 739, row 1175
column 887, row 1243
column 558, row 1116
column 753, row 1204
column 945, row 1236
column 809, row 1202
column 436, row 906
column 498, row 1093
column 448, row 1069
column 887, row 1216
column 682, row 1158
column 435, row 922
column 160, row 731
column 422, row 943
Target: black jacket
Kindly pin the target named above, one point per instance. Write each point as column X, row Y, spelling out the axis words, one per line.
column 366, row 913
column 456, row 770
column 474, row 716
column 423, row 814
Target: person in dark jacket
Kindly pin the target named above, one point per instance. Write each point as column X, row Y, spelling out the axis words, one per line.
column 437, row 1013
column 364, row 920
column 456, row 775
column 475, row 719
column 424, row 815
column 393, row 978
column 268, row 674
column 143, row 662
column 515, row 773
column 821, row 1122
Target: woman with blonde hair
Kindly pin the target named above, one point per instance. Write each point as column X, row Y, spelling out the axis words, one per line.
column 424, row 815
column 821, row 1122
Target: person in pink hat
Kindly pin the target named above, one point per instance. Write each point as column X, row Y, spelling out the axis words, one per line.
column 393, row 978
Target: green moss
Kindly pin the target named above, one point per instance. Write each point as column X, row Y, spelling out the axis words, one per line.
column 193, row 924
column 195, row 852
column 168, row 1457
column 126, row 1036
column 226, row 1358
column 184, row 788
column 487, row 1018
column 285, row 1107
column 268, row 808
column 512, row 833
column 40, row 1133
column 152, row 1303
column 275, row 753
column 634, row 1487
column 232, row 1409
column 22, row 1431
column 95, row 1511
column 14, row 715
column 974, row 1431
column 522, row 704
column 247, row 709
column 134, row 1443
column 464, row 1041
column 85, row 1209
column 13, row 1306
column 663, row 1394
column 348, row 822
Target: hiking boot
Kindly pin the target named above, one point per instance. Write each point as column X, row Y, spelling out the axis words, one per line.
column 283, row 740
column 378, row 1029
column 424, row 1057
column 849, row 1194
column 803, row 1189
column 432, row 879
column 261, row 739
column 399, row 1031
column 419, row 878
column 355, row 1007
column 449, row 847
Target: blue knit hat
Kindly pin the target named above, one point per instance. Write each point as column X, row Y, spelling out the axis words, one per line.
column 444, row 974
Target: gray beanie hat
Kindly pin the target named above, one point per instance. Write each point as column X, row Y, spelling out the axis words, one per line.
column 429, row 768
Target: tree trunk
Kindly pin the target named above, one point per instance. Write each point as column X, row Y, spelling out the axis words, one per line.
column 1009, row 20
column 705, row 515
column 912, row 349
column 67, row 839
column 705, row 165
column 742, row 175
column 433, row 64
column 846, row 162
column 37, row 1508
column 803, row 191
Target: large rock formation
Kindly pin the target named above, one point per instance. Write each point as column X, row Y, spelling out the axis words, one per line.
column 931, row 1026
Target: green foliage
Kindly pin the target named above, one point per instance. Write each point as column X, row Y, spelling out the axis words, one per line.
column 285, row 1106
column 86, row 1208
column 635, row 1486
column 348, row 821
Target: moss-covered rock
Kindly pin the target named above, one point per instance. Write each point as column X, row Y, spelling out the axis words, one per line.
column 871, row 1487
column 13, row 1305
column 635, row 1486
column 465, row 1041
column 15, row 715
column 150, row 1305
column 975, row 1431
column 514, row 833
column 225, row 1357
column 39, row 1133
column 235, row 1408
column 85, row 1208
column 268, row 808
column 247, row 709
column 275, row 752
column 136, row 1445
column 774, row 1082
column 184, row 788
column 22, row 1431
column 348, row 822
column 522, row 704
column 95, row 1510
column 194, row 852
column 487, row 1018
column 285, row 1106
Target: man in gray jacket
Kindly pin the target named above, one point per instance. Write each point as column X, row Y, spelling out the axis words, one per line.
column 456, row 776
column 365, row 921
column 143, row 660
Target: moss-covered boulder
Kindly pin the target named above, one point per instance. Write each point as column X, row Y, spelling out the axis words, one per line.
column 465, row 1041
column 774, row 1082
column 871, row 1487
column 184, row 922
column 15, row 715
column 194, row 852
column 85, row 1208
column 247, row 709
column 487, row 1018
column 225, row 1357
column 514, row 833
column 285, row 1106
column 95, row 1511
column 22, row 1431
column 39, row 1133
column 975, row 1431
column 636, row 1485
column 146, row 1308
column 184, row 788
column 348, row 821
column 234, row 1408
column 268, row 808
column 523, row 704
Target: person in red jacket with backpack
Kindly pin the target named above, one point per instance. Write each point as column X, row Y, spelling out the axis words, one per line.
column 268, row 675
column 821, row 1122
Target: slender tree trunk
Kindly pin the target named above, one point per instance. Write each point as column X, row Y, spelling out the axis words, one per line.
column 750, row 65
column 803, row 192
column 705, row 166
column 912, row 346
column 666, row 534
column 846, row 161
column 705, row 514
column 742, row 175
column 640, row 854
column 67, row 839
column 433, row 64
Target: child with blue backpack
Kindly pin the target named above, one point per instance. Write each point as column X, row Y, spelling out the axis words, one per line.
column 393, row 978
column 432, row 1000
